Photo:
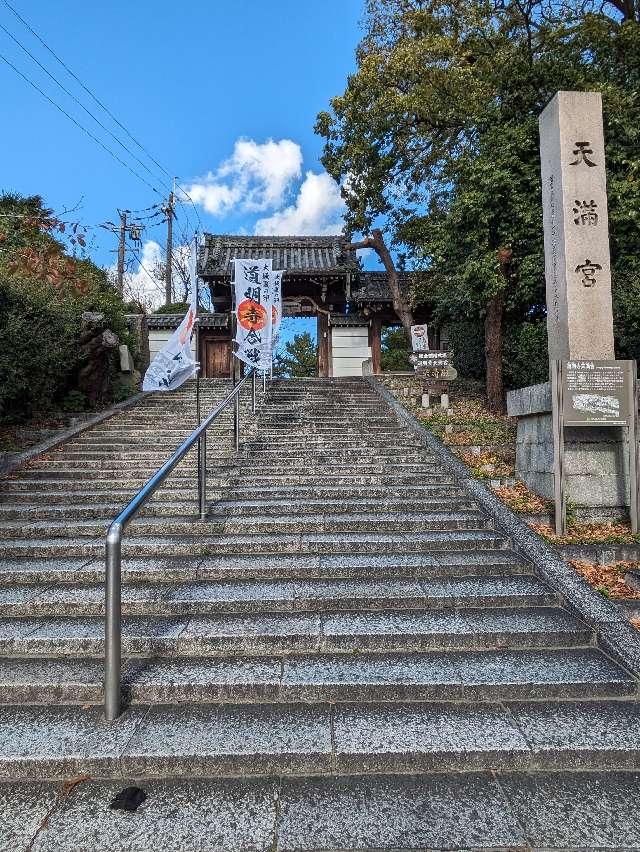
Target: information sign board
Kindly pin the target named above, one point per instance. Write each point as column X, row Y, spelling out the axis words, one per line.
column 434, row 364
column 586, row 392
column 596, row 393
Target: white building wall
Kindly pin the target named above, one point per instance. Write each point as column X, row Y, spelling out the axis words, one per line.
column 159, row 336
column 349, row 348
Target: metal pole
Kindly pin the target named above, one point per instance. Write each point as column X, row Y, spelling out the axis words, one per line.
column 168, row 278
column 113, row 623
column 121, row 249
column 202, row 475
column 264, row 382
column 253, row 392
column 634, row 497
column 557, row 402
column 236, row 422
column 202, row 456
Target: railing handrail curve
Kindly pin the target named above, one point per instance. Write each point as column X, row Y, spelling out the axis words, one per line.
column 113, row 553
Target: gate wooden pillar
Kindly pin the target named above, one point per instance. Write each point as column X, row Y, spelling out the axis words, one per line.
column 375, row 334
column 323, row 345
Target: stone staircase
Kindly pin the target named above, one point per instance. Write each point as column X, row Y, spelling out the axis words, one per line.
column 346, row 654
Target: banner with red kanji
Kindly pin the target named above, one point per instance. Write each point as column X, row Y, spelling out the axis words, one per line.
column 252, row 282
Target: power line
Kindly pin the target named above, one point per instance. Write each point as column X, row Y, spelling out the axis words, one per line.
column 143, row 267
column 77, row 100
column 86, row 88
column 184, row 192
column 81, row 126
column 180, row 190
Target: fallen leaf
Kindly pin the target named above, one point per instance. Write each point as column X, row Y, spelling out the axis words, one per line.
column 71, row 783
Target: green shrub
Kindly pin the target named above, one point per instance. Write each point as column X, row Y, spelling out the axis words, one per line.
column 466, row 340
column 39, row 328
column 38, row 355
column 395, row 351
column 173, row 308
column 75, row 400
column 525, row 358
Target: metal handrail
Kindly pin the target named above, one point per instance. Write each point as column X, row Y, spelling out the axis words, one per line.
column 113, row 579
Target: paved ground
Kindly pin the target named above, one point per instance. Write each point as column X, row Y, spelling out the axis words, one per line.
column 505, row 811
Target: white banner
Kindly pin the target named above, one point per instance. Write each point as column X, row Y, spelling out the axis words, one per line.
column 252, row 280
column 276, row 310
column 174, row 364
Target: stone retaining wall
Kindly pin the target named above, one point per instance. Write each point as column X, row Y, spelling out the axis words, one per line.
column 596, row 457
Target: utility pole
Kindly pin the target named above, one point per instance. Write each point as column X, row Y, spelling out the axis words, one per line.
column 123, row 234
column 169, row 261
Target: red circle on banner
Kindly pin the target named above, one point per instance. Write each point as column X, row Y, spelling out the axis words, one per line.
column 252, row 315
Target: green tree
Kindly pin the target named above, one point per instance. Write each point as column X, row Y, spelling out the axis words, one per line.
column 436, row 137
column 395, row 351
column 299, row 359
column 44, row 289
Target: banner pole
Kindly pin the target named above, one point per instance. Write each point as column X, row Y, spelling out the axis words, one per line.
column 557, row 414
column 634, row 497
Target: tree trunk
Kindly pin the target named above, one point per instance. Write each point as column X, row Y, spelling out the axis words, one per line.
column 493, row 334
column 400, row 304
column 493, row 352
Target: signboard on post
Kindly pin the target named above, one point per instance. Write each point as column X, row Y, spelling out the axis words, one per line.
column 419, row 338
column 594, row 393
column 433, row 364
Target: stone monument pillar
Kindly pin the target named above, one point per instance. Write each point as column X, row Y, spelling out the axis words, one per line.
column 576, row 229
column 579, row 312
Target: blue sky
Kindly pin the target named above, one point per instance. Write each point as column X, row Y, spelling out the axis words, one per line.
column 223, row 95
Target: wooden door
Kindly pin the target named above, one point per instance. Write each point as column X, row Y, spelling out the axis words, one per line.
column 217, row 358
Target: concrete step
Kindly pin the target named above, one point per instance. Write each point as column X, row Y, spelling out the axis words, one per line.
column 441, row 564
column 491, row 675
column 251, row 523
column 101, row 480
column 428, row 503
column 188, row 545
column 216, row 596
column 390, row 478
column 271, row 634
column 41, row 508
column 503, row 810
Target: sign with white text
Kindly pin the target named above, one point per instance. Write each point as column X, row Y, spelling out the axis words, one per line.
column 596, row 392
column 434, row 364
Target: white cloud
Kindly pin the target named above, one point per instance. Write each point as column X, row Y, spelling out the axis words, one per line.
column 255, row 178
column 317, row 210
column 141, row 285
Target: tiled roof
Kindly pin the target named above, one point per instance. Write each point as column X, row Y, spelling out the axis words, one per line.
column 299, row 255
column 374, row 287
column 158, row 321
column 346, row 320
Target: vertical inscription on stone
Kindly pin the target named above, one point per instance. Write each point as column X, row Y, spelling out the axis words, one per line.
column 576, row 230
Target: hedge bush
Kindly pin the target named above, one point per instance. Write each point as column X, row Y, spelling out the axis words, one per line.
column 39, row 329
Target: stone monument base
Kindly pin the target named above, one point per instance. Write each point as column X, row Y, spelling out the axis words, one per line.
column 596, row 457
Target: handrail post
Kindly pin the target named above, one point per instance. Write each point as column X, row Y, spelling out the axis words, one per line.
column 202, row 475
column 253, row 392
column 113, row 546
column 236, row 422
column 113, row 623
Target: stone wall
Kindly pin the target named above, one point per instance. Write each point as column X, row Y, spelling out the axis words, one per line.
column 596, row 457
column 137, row 327
column 406, row 387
